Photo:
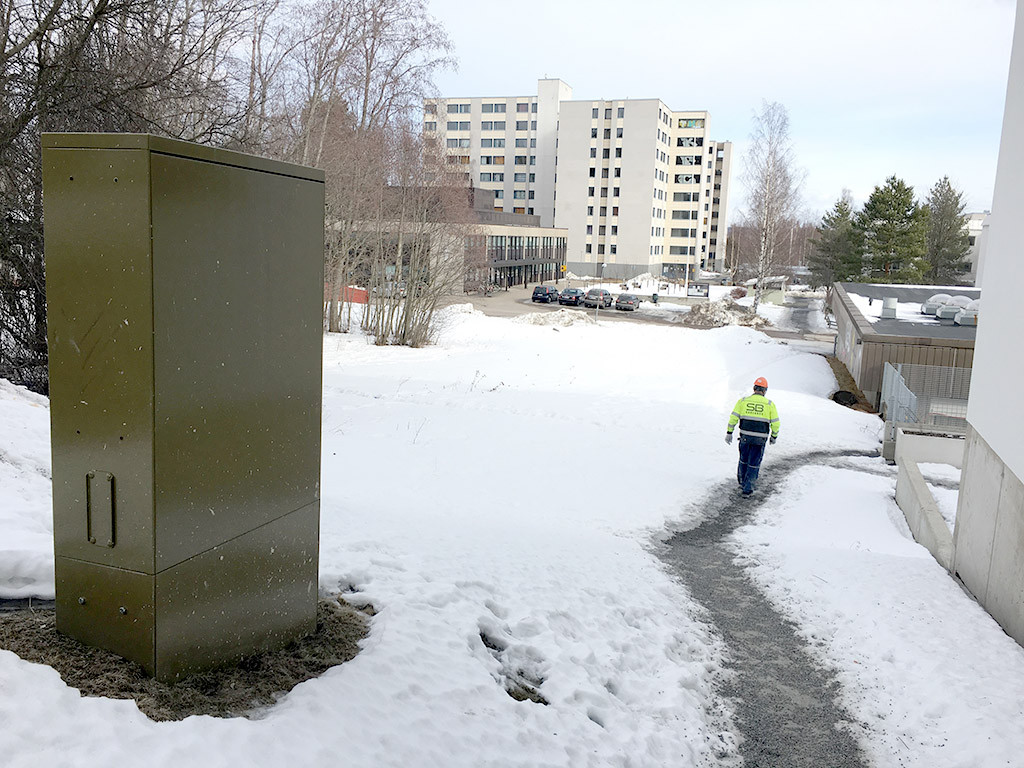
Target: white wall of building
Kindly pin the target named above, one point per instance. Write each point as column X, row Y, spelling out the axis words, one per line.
column 998, row 358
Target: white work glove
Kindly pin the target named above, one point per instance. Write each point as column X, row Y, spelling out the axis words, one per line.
column 773, row 439
column 728, row 438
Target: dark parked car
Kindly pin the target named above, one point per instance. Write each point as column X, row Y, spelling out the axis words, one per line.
column 597, row 296
column 545, row 293
column 572, row 296
column 627, row 301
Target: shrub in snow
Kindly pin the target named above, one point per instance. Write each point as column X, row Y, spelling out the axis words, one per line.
column 738, row 293
column 725, row 311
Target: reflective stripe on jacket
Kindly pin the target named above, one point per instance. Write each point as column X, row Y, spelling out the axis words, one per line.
column 757, row 416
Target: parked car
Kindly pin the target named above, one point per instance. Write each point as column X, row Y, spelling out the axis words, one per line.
column 573, row 296
column 627, row 301
column 545, row 293
column 597, row 296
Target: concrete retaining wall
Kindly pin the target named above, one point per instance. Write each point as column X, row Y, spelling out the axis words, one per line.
column 989, row 540
column 915, row 498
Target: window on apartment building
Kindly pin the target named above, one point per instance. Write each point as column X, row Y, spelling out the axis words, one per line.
column 458, row 109
column 709, row 165
column 499, row 107
column 680, row 214
column 590, row 191
column 530, row 211
column 593, row 172
column 601, row 229
column 678, row 232
column 518, row 210
column 533, row 178
column 706, row 206
column 612, row 248
column 593, row 133
column 622, row 111
column 498, row 194
column 533, row 125
column 497, row 177
column 615, row 210
column 604, row 210
column 522, row 125
column 593, row 113
column 533, row 159
column 533, row 143
column 529, row 195
column 452, row 143
column 499, row 159
column 589, row 247
column 618, row 133
column 604, row 191
column 485, row 177
column 431, row 126
column 453, row 126
column 593, row 151
column 615, row 229
column 604, row 173
column 590, row 229
column 486, row 108
column 615, row 193
column 618, row 172
column 590, row 210
column 608, row 114
column 522, row 107
column 486, row 125
column 521, row 143
column 520, row 159
column 606, row 153
column 600, row 248
column 430, row 109
column 607, row 133
column 618, row 151
column 519, row 194
column 686, row 178
column 519, row 177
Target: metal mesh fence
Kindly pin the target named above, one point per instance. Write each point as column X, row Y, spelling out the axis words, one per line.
column 931, row 395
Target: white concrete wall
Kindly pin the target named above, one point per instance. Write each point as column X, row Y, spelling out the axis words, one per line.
column 550, row 94
column 989, row 537
column 998, row 360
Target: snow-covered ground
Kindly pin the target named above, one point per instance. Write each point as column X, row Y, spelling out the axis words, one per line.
column 502, row 490
column 944, row 482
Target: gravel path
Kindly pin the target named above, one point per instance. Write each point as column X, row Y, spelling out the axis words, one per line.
column 785, row 702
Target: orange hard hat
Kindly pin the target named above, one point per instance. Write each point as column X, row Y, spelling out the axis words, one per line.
column 761, row 381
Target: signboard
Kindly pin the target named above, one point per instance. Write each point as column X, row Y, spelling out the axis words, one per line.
column 698, row 290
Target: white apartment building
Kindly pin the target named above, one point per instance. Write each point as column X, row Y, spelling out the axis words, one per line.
column 639, row 187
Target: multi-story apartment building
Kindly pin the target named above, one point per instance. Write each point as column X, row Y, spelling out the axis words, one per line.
column 639, row 187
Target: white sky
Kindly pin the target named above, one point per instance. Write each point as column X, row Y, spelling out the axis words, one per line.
column 873, row 88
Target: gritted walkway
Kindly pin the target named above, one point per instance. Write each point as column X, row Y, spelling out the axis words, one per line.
column 785, row 702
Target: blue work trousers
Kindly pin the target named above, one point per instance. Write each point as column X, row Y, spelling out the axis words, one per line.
column 751, row 453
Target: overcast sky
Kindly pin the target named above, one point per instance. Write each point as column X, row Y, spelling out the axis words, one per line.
column 873, row 88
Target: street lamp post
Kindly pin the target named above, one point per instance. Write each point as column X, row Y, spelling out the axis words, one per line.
column 600, row 283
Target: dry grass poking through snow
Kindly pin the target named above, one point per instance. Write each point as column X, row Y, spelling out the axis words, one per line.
column 724, row 311
column 239, row 690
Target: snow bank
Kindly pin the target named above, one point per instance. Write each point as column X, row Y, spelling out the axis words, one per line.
column 724, row 311
column 561, row 318
column 26, row 522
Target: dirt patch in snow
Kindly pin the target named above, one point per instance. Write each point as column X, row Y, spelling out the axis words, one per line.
column 724, row 311
column 561, row 318
column 244, row 689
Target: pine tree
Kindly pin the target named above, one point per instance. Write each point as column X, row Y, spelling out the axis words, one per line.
column 947, row 241
column 894, row 226
column 837, row 250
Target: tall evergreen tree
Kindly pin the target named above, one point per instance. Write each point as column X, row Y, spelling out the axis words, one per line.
column 947, row 241
column 837, row 251
column 894, row 226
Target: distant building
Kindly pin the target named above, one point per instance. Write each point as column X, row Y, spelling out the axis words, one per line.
column 975, row 232
column 989, row 537
column 638, row 186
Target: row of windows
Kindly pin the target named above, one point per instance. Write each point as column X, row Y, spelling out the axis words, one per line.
column 601, row 229
column 688, row 160
column 600, row 248
column 486, row 125
column 682, row 250
column 607, row 133
column 519, row 178
column 516, row 247
column 606, row 152
column 604, row 191
column 492, row 125
column 689, row 141
column 603, row 211
column 691, row 123
column 595, row 113
column 685, row 215
column 684, row 233
column 489, row 108
column 687, row 178
column 604, row 173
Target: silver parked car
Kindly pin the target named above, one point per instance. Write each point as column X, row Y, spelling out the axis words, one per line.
column 597, row 296
column 627, row 302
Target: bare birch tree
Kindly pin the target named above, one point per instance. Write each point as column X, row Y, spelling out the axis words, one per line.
column 773, row 188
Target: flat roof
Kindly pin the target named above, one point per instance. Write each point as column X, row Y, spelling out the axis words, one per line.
column 864, row 301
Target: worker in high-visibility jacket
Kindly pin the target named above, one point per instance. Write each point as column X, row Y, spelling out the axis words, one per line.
column 758, row 420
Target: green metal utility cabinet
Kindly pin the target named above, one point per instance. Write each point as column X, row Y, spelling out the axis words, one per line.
column 185, row 289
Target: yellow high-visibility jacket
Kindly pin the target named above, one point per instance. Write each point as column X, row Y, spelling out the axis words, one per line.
column 757, row 416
